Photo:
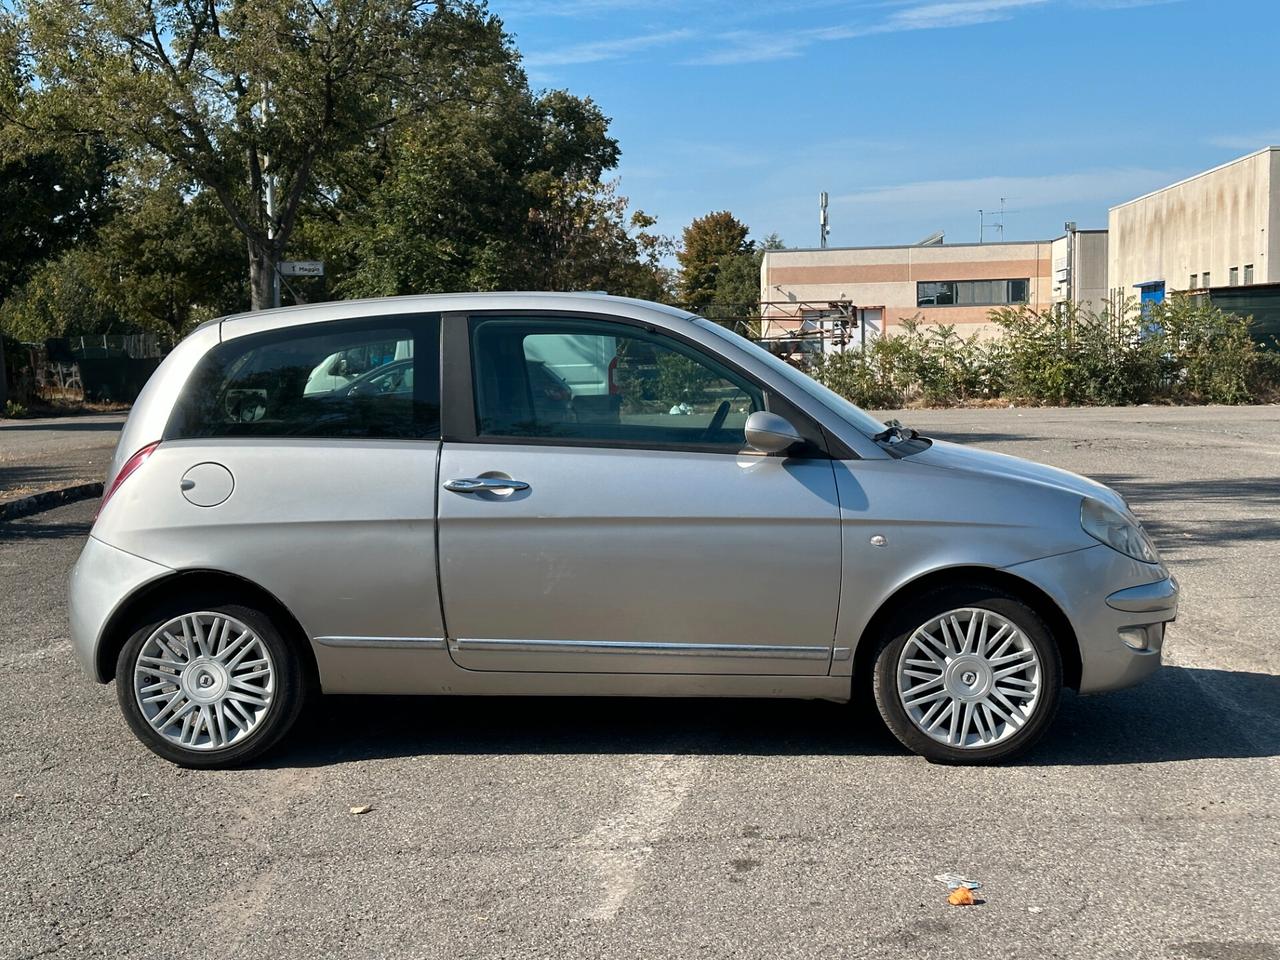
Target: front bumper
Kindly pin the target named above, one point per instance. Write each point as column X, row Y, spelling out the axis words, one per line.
column 101, row 580
column 1118, row 608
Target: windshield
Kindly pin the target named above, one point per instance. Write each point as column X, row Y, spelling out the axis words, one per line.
column 851, row 412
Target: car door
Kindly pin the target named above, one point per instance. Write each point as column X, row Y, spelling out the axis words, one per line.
column 629, row 531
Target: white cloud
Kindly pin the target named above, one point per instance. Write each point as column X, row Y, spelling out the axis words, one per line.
column 1123, row 4
column 596, row 51
column 949, row 197
column 1246, row 142
column 760, row 46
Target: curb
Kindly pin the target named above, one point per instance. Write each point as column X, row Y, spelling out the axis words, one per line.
column 48, row 499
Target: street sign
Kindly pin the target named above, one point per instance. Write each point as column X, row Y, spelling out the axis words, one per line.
column 302, row 268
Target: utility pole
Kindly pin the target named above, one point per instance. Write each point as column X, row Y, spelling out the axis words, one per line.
column 271, row 232
column 271, row 204
column 824, row 227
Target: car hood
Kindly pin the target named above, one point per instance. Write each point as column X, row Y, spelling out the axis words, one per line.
column 953, row 456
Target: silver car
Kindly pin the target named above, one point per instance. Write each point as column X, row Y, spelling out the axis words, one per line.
column 692, row 517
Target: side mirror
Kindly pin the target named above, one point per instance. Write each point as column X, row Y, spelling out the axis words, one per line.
column 770, row 433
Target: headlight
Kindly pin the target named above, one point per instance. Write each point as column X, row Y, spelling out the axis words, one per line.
column 1116, row 530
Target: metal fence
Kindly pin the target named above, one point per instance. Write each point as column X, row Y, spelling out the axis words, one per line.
column 104, row 368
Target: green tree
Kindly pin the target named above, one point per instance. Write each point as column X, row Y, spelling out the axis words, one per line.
column 169, row 259
column 52, row 195
column 63, row 295
column 706, row 243
column 737, row 291
column 501, row 192
column 251, row 100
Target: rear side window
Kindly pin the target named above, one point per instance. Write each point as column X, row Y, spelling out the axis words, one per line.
column 375, row 378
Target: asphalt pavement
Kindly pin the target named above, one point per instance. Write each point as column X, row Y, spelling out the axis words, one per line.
column 38, row 454
column 1147, row 824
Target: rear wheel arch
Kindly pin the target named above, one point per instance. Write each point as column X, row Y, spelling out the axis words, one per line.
column 1035, row 598
column 236, row 589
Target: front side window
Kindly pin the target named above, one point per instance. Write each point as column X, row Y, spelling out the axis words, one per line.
column 364, row 378
column 1233, row 277
column 1248, row 273
column 971, row 293
column 590, row 381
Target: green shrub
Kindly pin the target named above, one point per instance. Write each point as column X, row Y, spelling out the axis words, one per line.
column 1180, row 351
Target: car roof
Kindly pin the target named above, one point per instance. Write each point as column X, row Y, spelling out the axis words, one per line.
column 260, row 321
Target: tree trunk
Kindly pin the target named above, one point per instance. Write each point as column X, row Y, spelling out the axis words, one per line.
column 262, row 268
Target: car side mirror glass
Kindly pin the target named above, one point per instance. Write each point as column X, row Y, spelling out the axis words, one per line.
column 770, row 433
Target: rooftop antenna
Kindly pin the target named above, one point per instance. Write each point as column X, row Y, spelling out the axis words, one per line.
column 824, row 227
column 995, row 222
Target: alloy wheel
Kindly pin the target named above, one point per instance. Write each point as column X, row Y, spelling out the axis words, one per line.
column 969, row 678
column 204, row 681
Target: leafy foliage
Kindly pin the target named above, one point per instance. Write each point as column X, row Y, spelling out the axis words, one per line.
column 232, row 94
column 407, row 150
column 707, row 243
column 1178, row 351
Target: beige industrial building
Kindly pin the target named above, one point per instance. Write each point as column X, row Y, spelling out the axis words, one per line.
column 1217, row 230
column 935, row 283
column 1220, row 228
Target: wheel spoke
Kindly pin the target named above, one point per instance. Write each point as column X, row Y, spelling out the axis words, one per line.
column 928, row 697
column 160, row 662
column 939, row 645
column 928, row 714
column 951, row 709
column 242, row 697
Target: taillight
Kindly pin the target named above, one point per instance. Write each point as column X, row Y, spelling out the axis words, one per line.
column 130, row 465
column 613, row 382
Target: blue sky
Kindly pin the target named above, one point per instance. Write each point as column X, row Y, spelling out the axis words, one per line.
column 911, row 114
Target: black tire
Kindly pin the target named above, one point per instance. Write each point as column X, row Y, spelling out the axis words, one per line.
column 919, row 612
column 288, row 698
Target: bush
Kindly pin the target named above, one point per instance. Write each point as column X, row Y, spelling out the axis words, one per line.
column 927, row 364
column 1179, row 351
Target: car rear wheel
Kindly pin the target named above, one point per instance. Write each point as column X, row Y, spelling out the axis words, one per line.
column 205, row 683
column 967, row 675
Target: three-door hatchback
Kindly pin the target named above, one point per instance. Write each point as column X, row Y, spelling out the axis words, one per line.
column 580, row 495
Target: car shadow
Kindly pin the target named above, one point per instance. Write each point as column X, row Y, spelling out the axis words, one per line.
column 1180, row 714
column 22, row 529
column 63, row 424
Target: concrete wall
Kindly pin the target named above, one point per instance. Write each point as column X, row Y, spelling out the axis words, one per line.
column 1222, row 218
column 887, row 277
column 1080, row 269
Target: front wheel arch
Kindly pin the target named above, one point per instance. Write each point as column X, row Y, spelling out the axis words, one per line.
column 124, row 619
column 1039, row 601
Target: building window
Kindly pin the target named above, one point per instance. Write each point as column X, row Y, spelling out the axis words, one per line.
column 1204, row 279
column 1192, row 284
column 1248, row 273
column 971, row 293
column 1233, row 277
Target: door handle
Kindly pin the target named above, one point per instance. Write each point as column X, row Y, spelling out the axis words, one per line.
column 484, row 485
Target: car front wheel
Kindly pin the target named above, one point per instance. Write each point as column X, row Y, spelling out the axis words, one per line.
column 967, row 675
column 209, row 684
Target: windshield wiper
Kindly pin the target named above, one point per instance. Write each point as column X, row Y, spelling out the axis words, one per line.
column 895, row 432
